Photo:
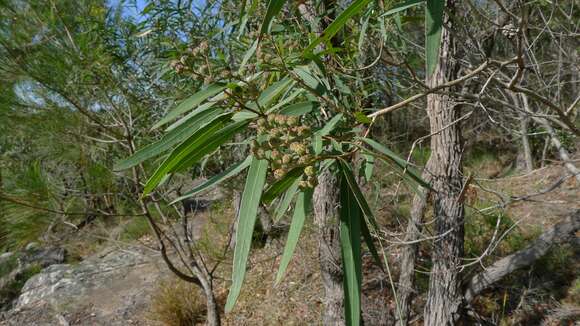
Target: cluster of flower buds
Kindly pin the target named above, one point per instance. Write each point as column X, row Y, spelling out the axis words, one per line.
column 184, row 62
column 285, row 143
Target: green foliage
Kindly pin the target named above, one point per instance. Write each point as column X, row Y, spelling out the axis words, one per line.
column 135, row 229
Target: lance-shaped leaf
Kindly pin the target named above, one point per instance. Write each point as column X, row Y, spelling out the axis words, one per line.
column 282, row 185
column 216, row 141
column 330, row 125
column 354, row 8
column 274, row 7
column 217, row 179
column 402, row 6
column 170, row 139
column 350, row 233
column 433, row 26
column 349, row 179
column 298, row 109
column 246, row 221
column 274, row 91
column 308, row 78
column 301, row 209
column 404, row 166
column 190, row 103
column 179, row 154
column 369, row 166
column 285, row 201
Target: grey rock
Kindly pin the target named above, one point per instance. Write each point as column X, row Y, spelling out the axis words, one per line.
column 105, row 289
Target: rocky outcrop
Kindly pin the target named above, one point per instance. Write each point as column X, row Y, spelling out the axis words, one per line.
column 112, row 288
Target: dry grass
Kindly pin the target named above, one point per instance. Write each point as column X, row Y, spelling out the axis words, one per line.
column 178, row 303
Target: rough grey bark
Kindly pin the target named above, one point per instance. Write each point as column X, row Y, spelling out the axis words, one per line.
column 445, row 295
column 326, row 203
column 409, row 251
column 557, row 234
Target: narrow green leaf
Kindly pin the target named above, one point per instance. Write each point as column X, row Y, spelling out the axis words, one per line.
column 433, row 26
column 286, row 200
column 274, row 7
column 350, row 234
column 369, row 166
column 302, row 208
column 298, row 109
column 282, row 185
column 317, row 143
column 308, row 78
column 363, row 206
column 249, row 53
column 170, row 139
column 211, row 145
column 193, row 143
column 244, row 115
column 354, row 8
column 286, row 100
column 273, row 91
column 404, row 167
column 402, row 6
column 217, row 179
column 330, row 125
column 357, row 193
column 190, row 103
column 246, row 221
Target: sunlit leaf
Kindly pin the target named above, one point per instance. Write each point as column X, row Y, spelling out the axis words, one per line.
column 285, row 201
column 354, row 8
column 298, row 109
column 170, row 139
column 190, row 103
column 247, row 219
column 282, row 185
column 301, row 209
column 217, row 179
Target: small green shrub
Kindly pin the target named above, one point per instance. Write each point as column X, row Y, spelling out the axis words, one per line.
column 135, row 229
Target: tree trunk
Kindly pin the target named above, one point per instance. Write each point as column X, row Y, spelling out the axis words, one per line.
column 326, row 216
column 526, row 154
column 212, row 315
column 445, row 295
column 409, row 251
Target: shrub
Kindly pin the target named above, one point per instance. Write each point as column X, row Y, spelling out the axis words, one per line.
column 178, row 303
